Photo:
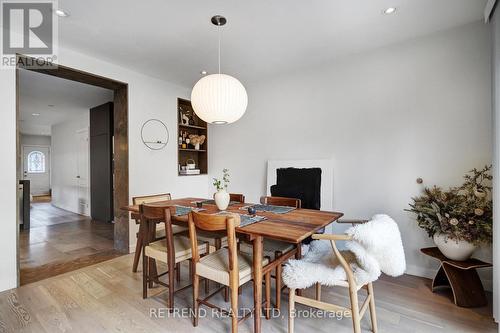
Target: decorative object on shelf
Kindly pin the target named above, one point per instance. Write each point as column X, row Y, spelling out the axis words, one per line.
column 197, row 140
column 221, row 197
column 184, row 119
column 186, row 116
column 219, row 98
column 190, row 164
column 154, row 134
column 460, row 218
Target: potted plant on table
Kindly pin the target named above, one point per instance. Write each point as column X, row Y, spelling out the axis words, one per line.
column 221, row 197
column 460, row 218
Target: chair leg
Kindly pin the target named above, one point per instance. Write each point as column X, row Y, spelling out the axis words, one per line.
column 268, row 295
column 298, row 255
column 190, row 270
column 318, row 291
column 278, row 274
column 171, row 286
column 145, row 276
column 178, row 272
column 152, row 271
column 356, row 320
column 291, row 310
column 234, row 309
column 196, row 287
column 138, row 250
column 373, row 315
column 207, row 281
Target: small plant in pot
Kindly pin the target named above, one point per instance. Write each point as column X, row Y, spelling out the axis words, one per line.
column 221, row 197
column 459, row 219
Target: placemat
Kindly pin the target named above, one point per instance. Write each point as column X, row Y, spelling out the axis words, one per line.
column 212, row 202
column 184, row 210
column 270, row 208
column 246, row 219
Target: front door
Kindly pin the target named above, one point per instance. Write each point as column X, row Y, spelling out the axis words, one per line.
column 36, row 168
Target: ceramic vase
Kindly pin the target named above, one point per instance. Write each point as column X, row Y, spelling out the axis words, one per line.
column 221, row 198
column 453, row 249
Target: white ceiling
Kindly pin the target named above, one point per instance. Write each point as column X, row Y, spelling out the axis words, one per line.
column 174, row 40
column 69, row 99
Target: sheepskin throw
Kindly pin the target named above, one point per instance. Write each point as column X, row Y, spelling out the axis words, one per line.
column 376, row 248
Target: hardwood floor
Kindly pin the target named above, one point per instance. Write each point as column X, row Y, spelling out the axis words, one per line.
column 44, row 214
column 60, row 241
column 107, row 297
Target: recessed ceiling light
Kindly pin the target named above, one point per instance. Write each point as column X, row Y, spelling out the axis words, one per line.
column 61, row 13
column 203, row 72
column 35, row 114
column 389, row 10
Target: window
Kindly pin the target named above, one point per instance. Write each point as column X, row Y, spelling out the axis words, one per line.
column 36, row 162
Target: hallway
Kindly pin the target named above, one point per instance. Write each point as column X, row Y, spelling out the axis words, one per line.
column 60, row 241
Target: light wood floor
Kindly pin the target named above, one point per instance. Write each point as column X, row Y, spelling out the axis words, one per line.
column 107, row 297
column 60, row 241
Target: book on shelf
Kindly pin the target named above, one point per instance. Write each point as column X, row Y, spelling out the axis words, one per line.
column 190, row 172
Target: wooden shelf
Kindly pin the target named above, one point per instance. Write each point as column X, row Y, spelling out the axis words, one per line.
column 200, row 174
column 198, row 127
column 195, row 150
column 193, row 126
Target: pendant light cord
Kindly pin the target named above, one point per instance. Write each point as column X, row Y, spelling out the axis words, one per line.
column 218, row 27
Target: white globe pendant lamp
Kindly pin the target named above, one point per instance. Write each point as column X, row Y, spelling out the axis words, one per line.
column 219, row 98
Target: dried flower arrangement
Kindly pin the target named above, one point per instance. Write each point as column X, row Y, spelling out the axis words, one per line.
column 462, row 213
column 196, row 139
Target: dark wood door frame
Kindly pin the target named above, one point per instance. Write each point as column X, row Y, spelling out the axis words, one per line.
column 120, row 165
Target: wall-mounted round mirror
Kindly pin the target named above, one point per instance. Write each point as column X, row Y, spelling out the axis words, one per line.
column 154, row 134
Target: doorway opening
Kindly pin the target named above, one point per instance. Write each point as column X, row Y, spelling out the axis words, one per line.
column 72, row 150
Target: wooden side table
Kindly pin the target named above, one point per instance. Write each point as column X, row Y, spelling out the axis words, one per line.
column 461, row 276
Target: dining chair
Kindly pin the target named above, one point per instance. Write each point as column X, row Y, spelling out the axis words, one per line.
column 218, row 240
column 273, row 248
column 373, row 248
column 171, row 250
column 160, row 232
column 281, row 201
column 235, row 197
column 225, row 266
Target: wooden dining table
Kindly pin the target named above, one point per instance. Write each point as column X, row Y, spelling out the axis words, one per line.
column 292, row 227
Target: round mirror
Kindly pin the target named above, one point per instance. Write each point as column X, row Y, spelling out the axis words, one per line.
column 154, row 134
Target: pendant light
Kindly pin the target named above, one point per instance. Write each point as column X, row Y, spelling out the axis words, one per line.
column 219, row 98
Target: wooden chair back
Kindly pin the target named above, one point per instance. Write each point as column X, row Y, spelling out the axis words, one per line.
column 150, row 216
column 281, row 201
column 237, row 197
column 209, row 222
column 144, row 199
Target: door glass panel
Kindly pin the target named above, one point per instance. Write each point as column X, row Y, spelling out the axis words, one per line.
column 36, row 162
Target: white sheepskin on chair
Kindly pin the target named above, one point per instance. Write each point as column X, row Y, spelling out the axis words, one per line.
column 376, row 248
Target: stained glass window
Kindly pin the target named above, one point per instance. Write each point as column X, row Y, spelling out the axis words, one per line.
column 36, row 162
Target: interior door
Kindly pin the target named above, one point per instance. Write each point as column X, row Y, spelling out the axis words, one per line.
column 82, row 177
column 36, row 168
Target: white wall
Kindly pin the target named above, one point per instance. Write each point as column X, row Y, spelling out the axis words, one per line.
column 421, row 108
column 149, row 171
column 39, row 140
column 65, row 161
